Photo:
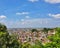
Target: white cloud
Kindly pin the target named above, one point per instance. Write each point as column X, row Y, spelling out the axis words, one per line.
column 22, row 19
column 2, row 16
column 33, row 0
column 27, row 17
column 22, row 13
column 54, row 15
column 52, row 1
column 32, row 23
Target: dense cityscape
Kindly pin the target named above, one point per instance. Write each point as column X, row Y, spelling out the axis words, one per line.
column 29, row 38
column 31, row 35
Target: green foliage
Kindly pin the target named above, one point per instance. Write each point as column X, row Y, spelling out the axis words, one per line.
column 55, row 40
column 34, row 30
column 51, row 45
column 3, row 28
column 39, row 44
column 47, row 29
column 26, row 45
column 6, row 40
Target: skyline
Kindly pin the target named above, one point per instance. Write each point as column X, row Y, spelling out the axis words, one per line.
column 30, row 13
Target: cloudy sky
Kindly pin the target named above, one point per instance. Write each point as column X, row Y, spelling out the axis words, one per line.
column 30, row 13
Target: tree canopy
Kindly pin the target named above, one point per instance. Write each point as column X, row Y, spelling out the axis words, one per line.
column 6, row 40
column 3, row 28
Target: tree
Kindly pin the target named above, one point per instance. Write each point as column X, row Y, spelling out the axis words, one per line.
column 55, row 40
column 34, row 30
column 47, row 29
column 39, row 44
column 6, row 40
column 26, row 45
column 3, row 28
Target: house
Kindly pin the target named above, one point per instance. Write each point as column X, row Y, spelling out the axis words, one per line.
column 51, row 32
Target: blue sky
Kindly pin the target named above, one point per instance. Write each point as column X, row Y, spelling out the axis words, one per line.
column 30, row 13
